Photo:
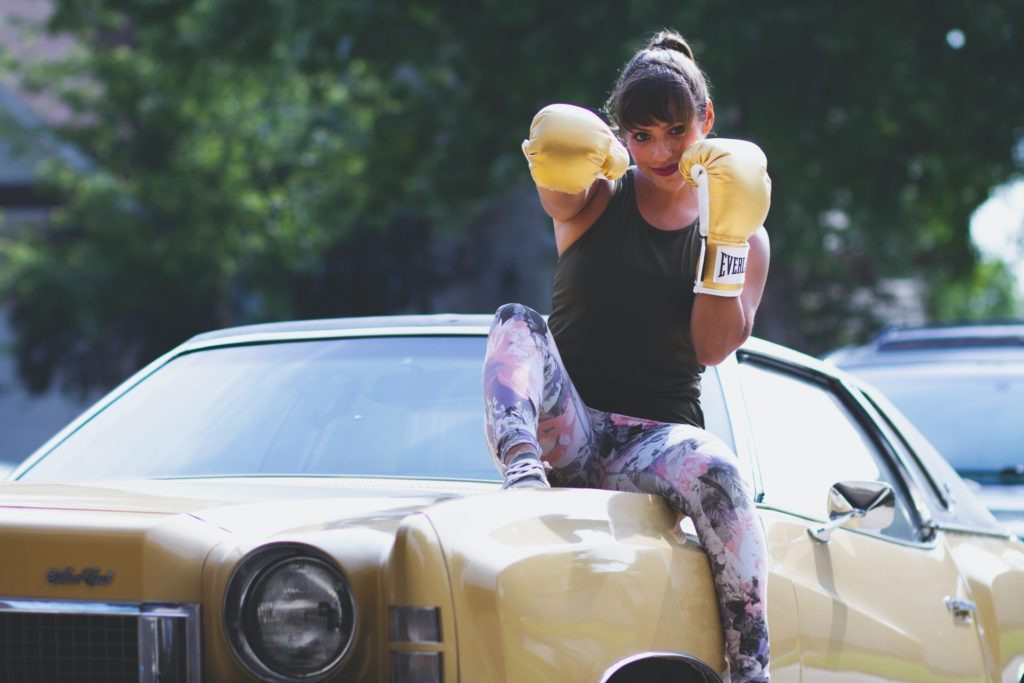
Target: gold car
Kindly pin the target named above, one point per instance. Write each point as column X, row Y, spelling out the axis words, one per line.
column 314, row 501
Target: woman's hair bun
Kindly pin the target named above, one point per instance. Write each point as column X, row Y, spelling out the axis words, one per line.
column 670, row 40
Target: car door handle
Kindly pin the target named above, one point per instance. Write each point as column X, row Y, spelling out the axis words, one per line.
column 963, row 610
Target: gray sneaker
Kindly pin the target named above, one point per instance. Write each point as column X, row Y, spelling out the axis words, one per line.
column 526, row 471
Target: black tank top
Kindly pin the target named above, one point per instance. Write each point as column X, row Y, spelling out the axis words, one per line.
column 620, row 314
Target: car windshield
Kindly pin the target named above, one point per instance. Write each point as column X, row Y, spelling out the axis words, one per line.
column 381, row 406
column 971, row 412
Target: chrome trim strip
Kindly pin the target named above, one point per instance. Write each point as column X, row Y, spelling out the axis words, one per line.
column 314, row 335
column 68, row 607
column 169, row 634
column 941, row 490
column 710, row 675
column 892, row 440
column 739, row 420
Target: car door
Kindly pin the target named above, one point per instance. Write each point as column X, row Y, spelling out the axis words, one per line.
column 871, row 605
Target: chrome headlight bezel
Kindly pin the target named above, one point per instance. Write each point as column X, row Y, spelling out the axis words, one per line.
column 256, row 567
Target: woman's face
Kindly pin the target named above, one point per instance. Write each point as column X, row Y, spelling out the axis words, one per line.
column 656, row 148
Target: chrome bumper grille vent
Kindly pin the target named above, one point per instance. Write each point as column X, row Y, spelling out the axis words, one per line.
column 71, row 641
column 79, row 648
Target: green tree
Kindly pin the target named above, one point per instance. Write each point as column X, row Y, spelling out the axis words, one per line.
column 884, row 130
column 257, row 159
column 217, row 174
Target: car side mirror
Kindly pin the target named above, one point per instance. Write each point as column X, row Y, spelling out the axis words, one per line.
column 857, row 505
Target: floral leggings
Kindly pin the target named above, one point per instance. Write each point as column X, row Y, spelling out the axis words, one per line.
column 530, row 402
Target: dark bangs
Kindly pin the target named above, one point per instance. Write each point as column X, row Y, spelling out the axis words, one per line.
column 649, row 96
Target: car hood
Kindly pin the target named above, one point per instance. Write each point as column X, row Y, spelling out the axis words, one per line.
column 237, row 504
column 519, row 562
column 132, row 540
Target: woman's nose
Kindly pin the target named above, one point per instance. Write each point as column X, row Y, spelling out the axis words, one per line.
column 663, row 150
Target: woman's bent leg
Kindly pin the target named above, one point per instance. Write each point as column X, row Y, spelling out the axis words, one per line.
column 529, row 402
column 698, row 476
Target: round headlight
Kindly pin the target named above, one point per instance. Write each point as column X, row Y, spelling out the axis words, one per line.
column 293, row 617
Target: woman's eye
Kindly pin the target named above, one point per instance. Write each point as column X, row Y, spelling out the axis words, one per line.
column 641, row 137
column 678, row 130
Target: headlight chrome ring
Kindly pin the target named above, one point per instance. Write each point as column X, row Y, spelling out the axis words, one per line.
column 289, row 614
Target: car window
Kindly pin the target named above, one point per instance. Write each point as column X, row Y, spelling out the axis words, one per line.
column 398, row 406
column 964, row 507
column 394, row 406
column 807, row 440
column 712, row 402
column 941, row 399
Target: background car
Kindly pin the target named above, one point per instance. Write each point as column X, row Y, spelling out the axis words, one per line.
column 963, row 387
column 314, row 501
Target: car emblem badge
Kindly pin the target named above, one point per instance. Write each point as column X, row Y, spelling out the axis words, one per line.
column 90, row 576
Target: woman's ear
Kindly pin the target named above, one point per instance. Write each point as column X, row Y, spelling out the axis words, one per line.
column 709, row 117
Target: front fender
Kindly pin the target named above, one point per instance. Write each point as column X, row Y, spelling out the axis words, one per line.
column 561, row 584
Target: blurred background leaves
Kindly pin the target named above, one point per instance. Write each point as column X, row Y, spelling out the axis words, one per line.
column 252, row 160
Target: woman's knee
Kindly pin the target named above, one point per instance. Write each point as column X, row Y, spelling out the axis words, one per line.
column 514, row 311
column 695, row 460
column 724, row 480
column 690, row 453
column 725, row 468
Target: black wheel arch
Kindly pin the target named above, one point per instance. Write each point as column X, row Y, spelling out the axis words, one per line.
column 661, row 667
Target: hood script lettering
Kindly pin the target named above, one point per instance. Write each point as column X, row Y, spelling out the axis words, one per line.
column 90, row 576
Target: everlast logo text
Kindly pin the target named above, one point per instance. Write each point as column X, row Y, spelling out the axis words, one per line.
column 90, row 576
column 732, row 265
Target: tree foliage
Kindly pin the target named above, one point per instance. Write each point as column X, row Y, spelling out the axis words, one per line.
column 257, row 159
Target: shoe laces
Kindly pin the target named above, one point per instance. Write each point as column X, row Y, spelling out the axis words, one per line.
column 525, row 468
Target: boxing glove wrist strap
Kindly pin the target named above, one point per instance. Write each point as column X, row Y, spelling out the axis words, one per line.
column 718, row 263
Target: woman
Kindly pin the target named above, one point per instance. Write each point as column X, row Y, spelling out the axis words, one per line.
column 606, row 393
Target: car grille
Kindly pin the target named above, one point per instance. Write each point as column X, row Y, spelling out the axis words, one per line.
column 90, row 642
column 86, row 648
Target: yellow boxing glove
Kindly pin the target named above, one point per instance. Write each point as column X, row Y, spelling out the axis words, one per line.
column 570, row 147
column 733, row 194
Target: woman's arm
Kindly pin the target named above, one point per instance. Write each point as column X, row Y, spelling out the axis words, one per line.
column 570, row 151
column 571, row 228
column 564, row 207
column 720, row 324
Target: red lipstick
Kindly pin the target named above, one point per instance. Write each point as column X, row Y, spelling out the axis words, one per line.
column 667, row 170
